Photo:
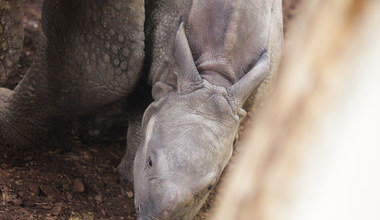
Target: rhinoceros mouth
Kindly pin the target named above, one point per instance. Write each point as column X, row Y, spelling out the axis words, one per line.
column 144, row 213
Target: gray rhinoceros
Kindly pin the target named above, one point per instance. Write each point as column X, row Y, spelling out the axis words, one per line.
column 202, row 74
column 92, row 55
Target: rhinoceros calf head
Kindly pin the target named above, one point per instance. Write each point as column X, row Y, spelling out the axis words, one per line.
column 188, row 135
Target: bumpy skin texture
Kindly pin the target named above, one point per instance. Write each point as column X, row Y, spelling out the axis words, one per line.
column 11, row 36
column 162, row 20
column 220, row 58
column 96, row 47
column 91, row 56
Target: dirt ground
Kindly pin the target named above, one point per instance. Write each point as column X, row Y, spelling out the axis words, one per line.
column 76, row 182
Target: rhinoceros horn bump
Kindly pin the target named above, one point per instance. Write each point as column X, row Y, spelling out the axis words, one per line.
column 188, row 78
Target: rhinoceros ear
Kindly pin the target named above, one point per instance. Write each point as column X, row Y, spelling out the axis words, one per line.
column 240, row 91
column 188, row 76
column 160, row 90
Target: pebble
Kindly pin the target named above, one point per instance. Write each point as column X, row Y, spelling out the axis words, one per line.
column 98, row 198
column 44, row 190
column 34, row 189
column 130, row 194
column 88, row 216
column 29, row 204
column 56, row 210
column 78, row 186
column 69, row 196
column 17, row 202
column 48, row 207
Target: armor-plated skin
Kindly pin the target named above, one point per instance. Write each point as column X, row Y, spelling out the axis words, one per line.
column 92, row 56
column 11, row 36
column 202, row 74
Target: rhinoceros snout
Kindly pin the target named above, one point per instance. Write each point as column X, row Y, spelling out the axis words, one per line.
column 170, row 203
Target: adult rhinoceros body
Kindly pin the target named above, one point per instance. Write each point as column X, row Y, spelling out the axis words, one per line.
column 202, row 70
column 92, row 56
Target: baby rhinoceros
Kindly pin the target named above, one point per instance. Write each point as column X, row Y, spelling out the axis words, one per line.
column 223, row 52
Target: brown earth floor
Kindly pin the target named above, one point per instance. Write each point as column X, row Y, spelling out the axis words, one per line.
column 79, row 182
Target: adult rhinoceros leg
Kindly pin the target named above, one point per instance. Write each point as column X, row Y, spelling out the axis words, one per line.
column 139, row 102
column 92, row 58
column 134, row 137
column 25, row 111
column 11, row 36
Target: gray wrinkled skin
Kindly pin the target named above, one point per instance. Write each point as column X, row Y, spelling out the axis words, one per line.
column 188, row 132
column 90, row 56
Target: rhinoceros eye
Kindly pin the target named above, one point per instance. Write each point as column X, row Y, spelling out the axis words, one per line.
column 150, row 163
column 210, row 187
